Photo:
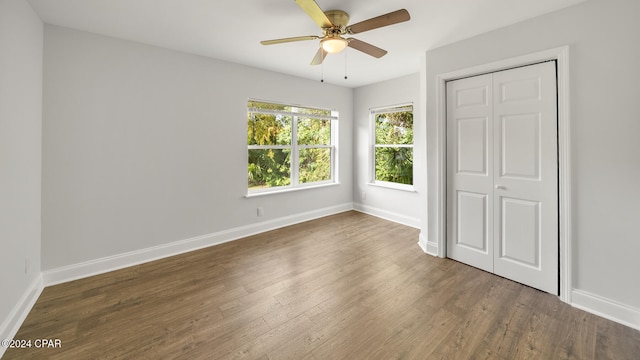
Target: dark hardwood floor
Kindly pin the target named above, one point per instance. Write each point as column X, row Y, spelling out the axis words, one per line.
column 348, row 286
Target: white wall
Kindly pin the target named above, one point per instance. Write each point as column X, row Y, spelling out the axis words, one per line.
column 605, row 123
column 20, row 158
column 398, row 205
column 144, row 146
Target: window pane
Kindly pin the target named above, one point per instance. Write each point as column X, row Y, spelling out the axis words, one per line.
column 394, row 128
column 314, row 111
column 394, row 164
column 268, row 129
column 269, row 168
column 315, row 165
column 314, row 132
column 267, row 106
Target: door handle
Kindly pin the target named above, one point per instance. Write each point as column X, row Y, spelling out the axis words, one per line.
column 501, row 187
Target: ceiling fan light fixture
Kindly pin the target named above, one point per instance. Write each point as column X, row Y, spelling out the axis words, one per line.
column 333, row 45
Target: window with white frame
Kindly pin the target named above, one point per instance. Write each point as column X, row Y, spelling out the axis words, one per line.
column 393, row 145
column 289, row 146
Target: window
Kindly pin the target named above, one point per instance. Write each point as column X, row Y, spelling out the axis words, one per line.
column 289, row 146
column 393, row 145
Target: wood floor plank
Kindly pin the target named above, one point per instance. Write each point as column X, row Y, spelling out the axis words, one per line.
column 437, row 326
column 347, row 286
column 610, row 341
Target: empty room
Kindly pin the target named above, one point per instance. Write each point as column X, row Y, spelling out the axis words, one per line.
column 300, row 179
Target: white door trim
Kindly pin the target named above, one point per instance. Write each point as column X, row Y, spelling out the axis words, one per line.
column 561, row 55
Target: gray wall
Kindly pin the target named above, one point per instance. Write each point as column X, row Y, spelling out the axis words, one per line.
column 20, row 153
column 145, row 146
column 398, row 205
column 603, row 36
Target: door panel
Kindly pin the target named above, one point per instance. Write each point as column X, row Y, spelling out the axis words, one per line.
column 502, row 190
column 472, row 146
column 473, row 96
column 522, row 89
column 520, row 231
column 520, row 145
column 472, row 212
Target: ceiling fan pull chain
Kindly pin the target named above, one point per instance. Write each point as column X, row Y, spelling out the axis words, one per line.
column 322, row 72
column 345, row 65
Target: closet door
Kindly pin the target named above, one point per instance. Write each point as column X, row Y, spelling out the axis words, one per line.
column 470, row 171
column 526, row 176
column 502, row 177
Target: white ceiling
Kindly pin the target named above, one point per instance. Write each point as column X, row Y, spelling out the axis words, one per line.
column 231, row 30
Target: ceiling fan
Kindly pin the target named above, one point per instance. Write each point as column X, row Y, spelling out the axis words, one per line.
column 334, row 25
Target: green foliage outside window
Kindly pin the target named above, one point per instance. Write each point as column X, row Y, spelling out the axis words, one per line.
column 269, row 168
column 315, row 165
column 394, row 147
column 315, row 162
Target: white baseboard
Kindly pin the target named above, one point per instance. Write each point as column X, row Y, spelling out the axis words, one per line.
column 120, row 261
column 388, row 215
column 429, row 248
column 422, row 243
column 12, row 323
column 606, row 308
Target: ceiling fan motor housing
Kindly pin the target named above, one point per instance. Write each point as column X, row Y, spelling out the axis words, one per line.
column 338, row 18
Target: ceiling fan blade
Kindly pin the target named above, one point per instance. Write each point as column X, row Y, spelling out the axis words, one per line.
column 319, row 58
column 391, row 18
column 367, row 48
column 313, row 10
column 291, row 39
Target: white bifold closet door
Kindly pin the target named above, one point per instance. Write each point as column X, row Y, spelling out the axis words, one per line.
column 502, row 174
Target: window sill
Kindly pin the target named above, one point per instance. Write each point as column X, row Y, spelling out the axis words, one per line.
column 290, row 189
column 394, row 186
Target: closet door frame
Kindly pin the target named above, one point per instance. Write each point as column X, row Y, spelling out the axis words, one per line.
column 561, row 56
